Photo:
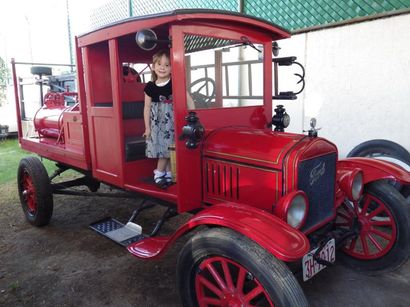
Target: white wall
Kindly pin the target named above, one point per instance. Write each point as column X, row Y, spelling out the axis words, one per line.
column 357, row 82
column 36, row 31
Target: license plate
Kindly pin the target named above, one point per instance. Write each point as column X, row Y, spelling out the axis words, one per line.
column 311, row 267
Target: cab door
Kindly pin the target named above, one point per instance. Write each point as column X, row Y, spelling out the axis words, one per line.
column 103, row 101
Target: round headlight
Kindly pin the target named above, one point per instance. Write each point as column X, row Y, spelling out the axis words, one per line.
column 286, row 120
column 297, row 211
column 357, row 186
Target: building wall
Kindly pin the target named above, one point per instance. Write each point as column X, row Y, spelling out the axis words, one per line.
column 357, row 82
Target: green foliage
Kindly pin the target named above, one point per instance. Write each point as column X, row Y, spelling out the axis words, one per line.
column 4, row 75
column 10, row 156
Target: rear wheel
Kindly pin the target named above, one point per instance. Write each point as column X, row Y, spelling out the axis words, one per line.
column 381, row 149
column 219, row 267
column 381, row 219
column 35, row 191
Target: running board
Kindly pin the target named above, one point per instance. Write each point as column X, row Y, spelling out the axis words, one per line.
column 118, row 232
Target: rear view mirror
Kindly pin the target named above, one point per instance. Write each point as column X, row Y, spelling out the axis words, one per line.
column 146, row 39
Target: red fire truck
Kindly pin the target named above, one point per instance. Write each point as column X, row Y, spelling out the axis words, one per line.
column 266, row 205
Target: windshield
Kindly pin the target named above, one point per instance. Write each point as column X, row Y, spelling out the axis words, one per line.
column 223, row 73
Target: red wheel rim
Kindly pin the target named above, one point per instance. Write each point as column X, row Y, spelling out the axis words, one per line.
column 29, row 193
column 378, row 230
column 223, row 282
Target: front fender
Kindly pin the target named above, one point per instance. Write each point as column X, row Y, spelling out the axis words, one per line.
column 271, row 233
column 374, row 169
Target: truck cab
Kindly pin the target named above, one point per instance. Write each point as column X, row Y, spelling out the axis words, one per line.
column 201, row 49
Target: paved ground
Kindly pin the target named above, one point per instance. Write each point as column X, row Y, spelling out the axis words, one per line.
column 67, row 264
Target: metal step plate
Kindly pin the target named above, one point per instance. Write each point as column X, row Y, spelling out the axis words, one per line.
column 117, row 231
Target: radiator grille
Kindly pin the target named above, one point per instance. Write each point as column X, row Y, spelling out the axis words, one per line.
column 316, row 177
column 222, row 180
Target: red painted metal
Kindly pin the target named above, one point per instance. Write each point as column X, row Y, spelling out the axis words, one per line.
column 29, row 194
column 282, row 208
column 374, row 169
column 235, row 182
column 378, row 231
column 345, row 180
column 50, row 150
column 307, row 148
column 268, row 148
column 16, row 98
column 82, row 106
column 190, row 180
column 103, row 120
column 226, row 154
column 213, row 19
column 273, row 234
column 214, row 275
column 73, row 133
column 96, row 127
column 48, row 120
column 116, row 85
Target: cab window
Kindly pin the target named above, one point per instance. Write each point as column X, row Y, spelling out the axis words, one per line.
column 223, row 73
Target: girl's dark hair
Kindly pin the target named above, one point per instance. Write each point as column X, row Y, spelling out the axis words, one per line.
column 156, row 58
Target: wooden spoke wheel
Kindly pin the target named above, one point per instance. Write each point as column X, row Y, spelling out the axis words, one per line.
column 381, row 219
column 219, row 267
column 35, row 192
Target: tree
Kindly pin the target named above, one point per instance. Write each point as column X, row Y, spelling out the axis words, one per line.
column 4, row 74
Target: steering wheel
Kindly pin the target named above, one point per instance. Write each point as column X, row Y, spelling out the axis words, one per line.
column 130, row 75
column 202, row 100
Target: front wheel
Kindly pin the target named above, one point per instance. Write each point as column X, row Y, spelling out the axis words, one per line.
column 219, row 267
column 381, row 220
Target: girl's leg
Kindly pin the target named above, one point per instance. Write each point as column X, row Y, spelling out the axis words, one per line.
column 162, row 175
column 162, row 164
column 160, row 172
column 168, row 173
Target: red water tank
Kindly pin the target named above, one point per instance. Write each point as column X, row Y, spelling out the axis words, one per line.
column 48, row 120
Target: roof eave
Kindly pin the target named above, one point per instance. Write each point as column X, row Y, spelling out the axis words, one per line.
column 133, row 24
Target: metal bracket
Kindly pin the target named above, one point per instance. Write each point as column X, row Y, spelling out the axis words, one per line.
column 287, row 61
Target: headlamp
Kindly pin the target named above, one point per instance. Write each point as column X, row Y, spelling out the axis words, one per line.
column 293, row 208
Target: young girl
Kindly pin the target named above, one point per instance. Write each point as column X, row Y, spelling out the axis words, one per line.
column 159, row 117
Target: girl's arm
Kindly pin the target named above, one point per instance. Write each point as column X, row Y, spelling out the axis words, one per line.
column 147, row 113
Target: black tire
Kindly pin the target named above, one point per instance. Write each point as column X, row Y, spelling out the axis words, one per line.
column 278, row 283
column 41, row 70
column 389, row 227
column 381, row 148
column 35, row 191
column 405, row 191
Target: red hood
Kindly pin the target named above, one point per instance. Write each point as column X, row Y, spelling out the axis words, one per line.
column 246, row 145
